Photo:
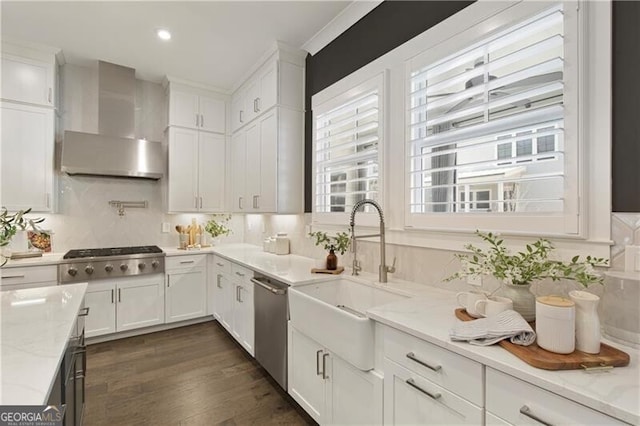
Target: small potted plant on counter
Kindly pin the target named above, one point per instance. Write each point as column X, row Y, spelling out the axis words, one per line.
column 338, row 243
column 13, row 231
column 516, row 272
column 217, row 228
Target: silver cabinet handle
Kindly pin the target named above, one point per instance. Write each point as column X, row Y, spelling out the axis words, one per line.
column 186, row 261
column 241, row 119
column 218, row 281
column 413, row 358
column 257, row 104
column 413, row 384
column 240, row 274
column 197, row 120
column 113, row 296
column 240, row 288
column 254, row 201
column 85, row 313
column 50, row 94
column 48, row 200
column 4, row 277
column 240, row 203
column 201, row 120
column 324, row 366
column 318, row 372
column 220, row 264
column 200, row 202
column 119, row 296
column 195, row 201
column 525, row 410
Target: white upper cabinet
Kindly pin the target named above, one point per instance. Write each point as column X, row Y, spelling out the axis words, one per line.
column 27, row 157
column 196, row 109
column 277, row 82
column 196, row 171
column 266, row 161
column 28, row 76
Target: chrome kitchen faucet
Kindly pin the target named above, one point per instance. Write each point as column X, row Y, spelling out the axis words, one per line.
column 383, row 269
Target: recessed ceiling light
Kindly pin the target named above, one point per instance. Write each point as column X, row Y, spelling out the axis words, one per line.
column 163, row 34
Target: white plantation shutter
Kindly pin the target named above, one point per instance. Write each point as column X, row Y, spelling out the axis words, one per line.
column 488, row 122
column 346, row 154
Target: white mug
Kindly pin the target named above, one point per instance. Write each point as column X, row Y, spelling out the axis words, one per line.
column 493, row 306
column 468, row 300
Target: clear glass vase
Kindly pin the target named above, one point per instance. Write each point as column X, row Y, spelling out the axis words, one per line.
column 524, row 302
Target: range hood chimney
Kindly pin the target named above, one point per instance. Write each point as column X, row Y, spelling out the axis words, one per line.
column 114, row 151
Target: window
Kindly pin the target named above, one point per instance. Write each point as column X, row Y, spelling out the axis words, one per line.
column 486, row 127
column 346, row 149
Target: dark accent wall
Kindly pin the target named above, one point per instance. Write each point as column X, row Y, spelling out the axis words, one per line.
column 625, row 168
column 384, row 28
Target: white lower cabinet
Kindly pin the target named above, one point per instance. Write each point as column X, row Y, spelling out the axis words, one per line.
column 124, row 305
column 516, row 402
column 186, row 291
column 28, row 277
column 231, row 300
column 242, row 326
column 427, row 384
column 329, row 389
column 411, row 399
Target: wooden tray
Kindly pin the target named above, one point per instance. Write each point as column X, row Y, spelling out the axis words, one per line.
column 536, row 356
column 327, row 271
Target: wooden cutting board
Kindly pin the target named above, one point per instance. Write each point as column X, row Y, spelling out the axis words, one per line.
column 536, row 356
column 337, row 271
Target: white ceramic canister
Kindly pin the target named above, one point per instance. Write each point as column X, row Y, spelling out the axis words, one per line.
column 556, row 324
column 587, row 321
column 282, row 243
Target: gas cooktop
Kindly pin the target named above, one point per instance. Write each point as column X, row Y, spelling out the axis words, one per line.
column 113, row 251
column 115, row 262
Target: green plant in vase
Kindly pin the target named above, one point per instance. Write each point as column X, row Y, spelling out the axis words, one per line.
column 517, row 271
column 339, row 243
column 217, row 228
column 15, row 224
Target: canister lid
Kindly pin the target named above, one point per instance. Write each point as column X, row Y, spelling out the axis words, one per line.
column 558, row 301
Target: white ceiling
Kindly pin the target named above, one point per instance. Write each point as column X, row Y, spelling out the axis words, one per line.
column 213, row 43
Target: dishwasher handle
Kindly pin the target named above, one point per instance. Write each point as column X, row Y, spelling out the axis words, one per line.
column 267, row 286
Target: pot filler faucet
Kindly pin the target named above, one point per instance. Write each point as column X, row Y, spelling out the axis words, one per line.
column 383, row 268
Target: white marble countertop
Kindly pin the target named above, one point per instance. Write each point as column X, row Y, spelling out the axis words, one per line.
column 290, row 269
column 45, row 259
column 36, row 325
column 430, row 316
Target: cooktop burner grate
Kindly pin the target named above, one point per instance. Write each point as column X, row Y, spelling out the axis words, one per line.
column 113, row 251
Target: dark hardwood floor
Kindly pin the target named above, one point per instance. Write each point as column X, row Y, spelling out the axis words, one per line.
column 194, row 375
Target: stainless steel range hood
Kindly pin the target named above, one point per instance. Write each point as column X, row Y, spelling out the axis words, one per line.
column 114, row 151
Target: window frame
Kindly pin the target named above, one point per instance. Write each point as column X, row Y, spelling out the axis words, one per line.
column 564, row 223
column 593, row 186
column 332, row 98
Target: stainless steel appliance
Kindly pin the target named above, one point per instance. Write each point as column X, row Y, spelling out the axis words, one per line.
column 100, row 263
column 114, row 151
column 271, row 316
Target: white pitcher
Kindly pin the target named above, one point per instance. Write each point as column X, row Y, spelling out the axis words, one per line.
column 587, row 321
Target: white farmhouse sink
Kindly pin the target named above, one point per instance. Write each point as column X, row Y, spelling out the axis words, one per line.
column 333, row 314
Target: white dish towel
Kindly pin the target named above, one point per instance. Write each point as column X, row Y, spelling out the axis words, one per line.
column 487, row 331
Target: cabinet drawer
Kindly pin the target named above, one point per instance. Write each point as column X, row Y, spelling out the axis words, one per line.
column 221, row 264
column 451, row 371
column 240, row 272
column 519, row 402
column 28, row 275
column 411, row 399
column 181, row 262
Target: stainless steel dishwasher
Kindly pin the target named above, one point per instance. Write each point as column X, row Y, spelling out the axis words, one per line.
column 271, row 316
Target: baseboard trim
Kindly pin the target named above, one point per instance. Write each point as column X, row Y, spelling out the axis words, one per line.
column 147, row 330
